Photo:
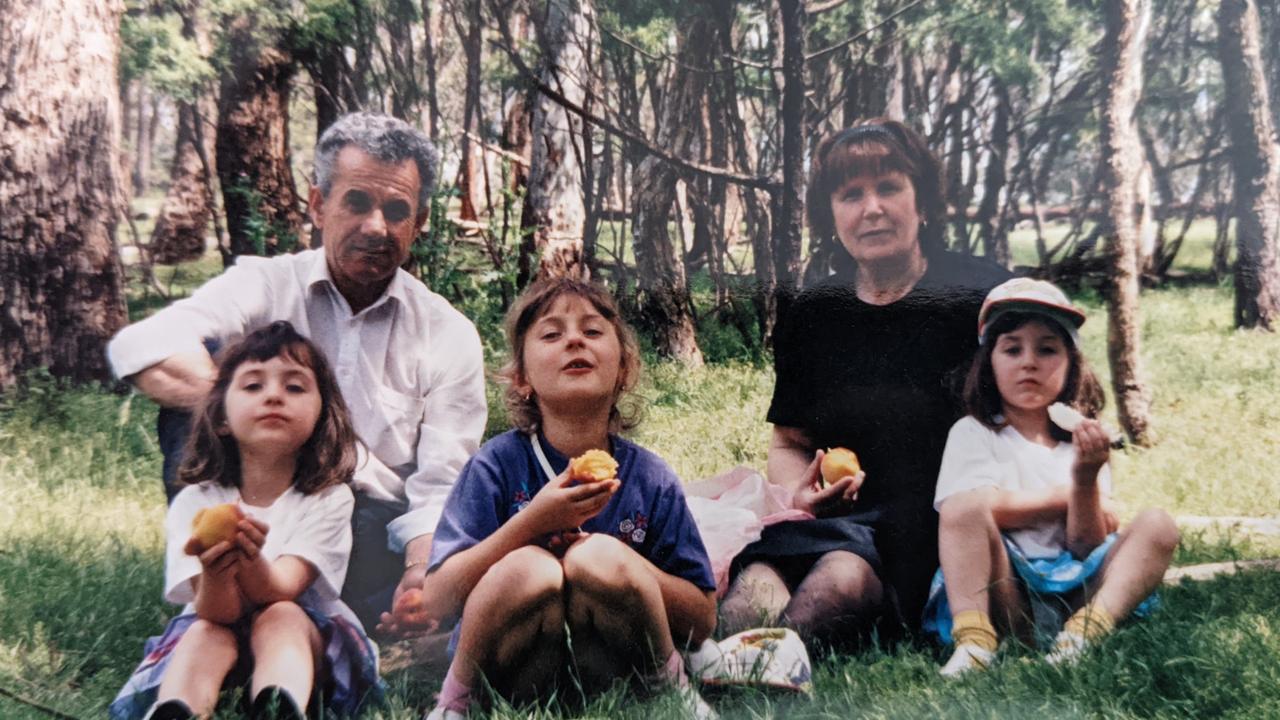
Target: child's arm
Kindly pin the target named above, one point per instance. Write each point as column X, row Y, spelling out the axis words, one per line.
column 266, row 581
column 1014, row 509
column 1086, row 517
column 218, row 597
column 559, row 505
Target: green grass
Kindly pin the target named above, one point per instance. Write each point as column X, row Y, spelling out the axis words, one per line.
column 81, row 538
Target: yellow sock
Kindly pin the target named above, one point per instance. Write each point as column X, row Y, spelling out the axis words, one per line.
column 1091, row 622
column 973, row 627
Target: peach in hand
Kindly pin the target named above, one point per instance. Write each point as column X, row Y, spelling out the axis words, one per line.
column 213, row 525
column 593, row 466
column 837, row 463
column 410, row 611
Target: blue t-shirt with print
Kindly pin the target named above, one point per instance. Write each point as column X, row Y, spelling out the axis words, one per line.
column 648, row 512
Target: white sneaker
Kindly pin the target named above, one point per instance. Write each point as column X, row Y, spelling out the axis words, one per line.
column 965, row 659
column 1067, row 648
column 443, row 713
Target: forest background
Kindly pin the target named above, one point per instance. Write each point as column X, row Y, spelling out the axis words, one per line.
column 1126, row 149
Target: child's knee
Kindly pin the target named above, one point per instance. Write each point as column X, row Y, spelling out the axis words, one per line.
column 281, row 616
column 1156, row 527
column 965, row 511
column 603, row 565
column 210, row 636
column 527, row 575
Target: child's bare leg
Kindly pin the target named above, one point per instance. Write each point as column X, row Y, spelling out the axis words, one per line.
column 1135, row 567
column 976, row 564
column 200, row 663
column 757, row 598
column 614, row 595
column 286, row 650
column 840, row 593
column 513, row 622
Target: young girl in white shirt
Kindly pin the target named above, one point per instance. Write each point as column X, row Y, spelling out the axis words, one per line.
column 274, row 439
column 1027, row 532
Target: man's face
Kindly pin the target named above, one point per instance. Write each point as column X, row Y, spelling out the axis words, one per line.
column 369, row 219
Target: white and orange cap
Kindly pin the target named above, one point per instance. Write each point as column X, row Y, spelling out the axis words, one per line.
column 1027, row 295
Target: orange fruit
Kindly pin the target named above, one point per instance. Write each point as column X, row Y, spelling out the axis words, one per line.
column 212, row 525
column 593, row 466
column 837, row 463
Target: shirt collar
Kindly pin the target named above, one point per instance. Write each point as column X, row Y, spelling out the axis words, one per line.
column 319, row 274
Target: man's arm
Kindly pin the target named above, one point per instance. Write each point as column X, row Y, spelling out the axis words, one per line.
column 180, row 381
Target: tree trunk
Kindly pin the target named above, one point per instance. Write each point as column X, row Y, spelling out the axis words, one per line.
column 61, row 283
column 431, row 24
column 253, row 146
column 183, row 222
column 471, row 164
column 1255, row 163
column 664, row 293
column 554, row 210
column 144, row 140
column 788, row 202
column 1121, row 64
column 995, row 241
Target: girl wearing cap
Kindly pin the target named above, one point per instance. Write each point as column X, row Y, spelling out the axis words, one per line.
column 1027, row 534
column 865, row 358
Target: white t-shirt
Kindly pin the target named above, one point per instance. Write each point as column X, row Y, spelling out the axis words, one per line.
column 315, row 528
column 977, row 457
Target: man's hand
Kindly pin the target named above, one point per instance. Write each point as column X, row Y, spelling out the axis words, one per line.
column 414, row 578
column 179, row 381
column 835, row 499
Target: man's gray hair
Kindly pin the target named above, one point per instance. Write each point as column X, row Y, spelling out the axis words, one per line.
column 386, row 138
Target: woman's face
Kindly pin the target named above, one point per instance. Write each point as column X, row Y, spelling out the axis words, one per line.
column 876, row 219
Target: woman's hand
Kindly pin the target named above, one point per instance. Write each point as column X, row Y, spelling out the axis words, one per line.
column 563, row 505
column 1093, row 448
column 835, row 499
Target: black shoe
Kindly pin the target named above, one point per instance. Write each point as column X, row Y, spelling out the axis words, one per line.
column 170, row 710
column 276, row 703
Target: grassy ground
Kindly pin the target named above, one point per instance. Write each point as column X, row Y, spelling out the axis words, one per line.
column 81, row 542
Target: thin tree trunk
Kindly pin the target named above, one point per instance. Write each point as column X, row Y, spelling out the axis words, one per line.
column 995, row 242
column 61, row 282
column 788, row 202
column 554, row 208
column 144, row 139
column 664, row 293
column 470, row 180
column 253, row 146
column 1121, row 62
column 430, row 22
column 1255, row 163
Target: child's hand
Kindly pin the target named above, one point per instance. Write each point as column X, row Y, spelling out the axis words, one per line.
column 834, row 499
column 251, row 535
column 220, row 562
column 563, row 505
column 1093, row 448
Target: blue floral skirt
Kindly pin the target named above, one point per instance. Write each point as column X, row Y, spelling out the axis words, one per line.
column 1048, row 581
column 349, row 675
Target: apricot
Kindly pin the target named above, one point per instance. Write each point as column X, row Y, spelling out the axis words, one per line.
column 410, row 611
column 212, row 525
column 837, row 463
column 593, row 466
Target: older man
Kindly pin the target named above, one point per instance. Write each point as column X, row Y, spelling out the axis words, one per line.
column 409, row 364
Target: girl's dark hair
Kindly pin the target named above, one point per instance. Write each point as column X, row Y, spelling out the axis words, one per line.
column 1081, row 391
column 327, row 458
column 532, row 304
column 873, row 147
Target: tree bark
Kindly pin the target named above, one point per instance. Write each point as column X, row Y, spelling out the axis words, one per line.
column 471, row 164
column 788, row 201
column 144, row 139
column 1121, row 63
column 61, row 282
column 1255, row 164
column 664, row 293
column 253, row 163
column 554, row 208
column 995, row 240
column 431, row 24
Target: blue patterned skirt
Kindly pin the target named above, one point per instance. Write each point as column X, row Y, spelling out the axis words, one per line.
column 348, row 678
column 1048, row 582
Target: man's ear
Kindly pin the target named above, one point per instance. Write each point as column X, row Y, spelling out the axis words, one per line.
column 315, row 207
column 421, row 221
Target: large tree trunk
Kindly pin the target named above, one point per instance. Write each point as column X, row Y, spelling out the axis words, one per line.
column 61, row 281
column 183, row 222
column 664, row 293
column 1255, row 162
column 554, row 211
column 1121, row 65
column 253, row 146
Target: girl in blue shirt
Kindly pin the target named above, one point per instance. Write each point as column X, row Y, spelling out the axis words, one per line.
column 523, row 552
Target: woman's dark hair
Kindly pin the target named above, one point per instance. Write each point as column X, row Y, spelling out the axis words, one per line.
column 327, row 458
column 982, row 400
column 533, row 303
column 874, row 147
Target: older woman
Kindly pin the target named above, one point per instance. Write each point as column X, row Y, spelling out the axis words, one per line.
column 865, row 359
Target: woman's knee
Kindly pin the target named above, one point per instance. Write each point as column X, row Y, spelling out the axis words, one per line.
column 847, row 575
column 1156, row 527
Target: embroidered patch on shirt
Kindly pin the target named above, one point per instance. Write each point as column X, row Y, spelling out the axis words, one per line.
column 633, row 529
